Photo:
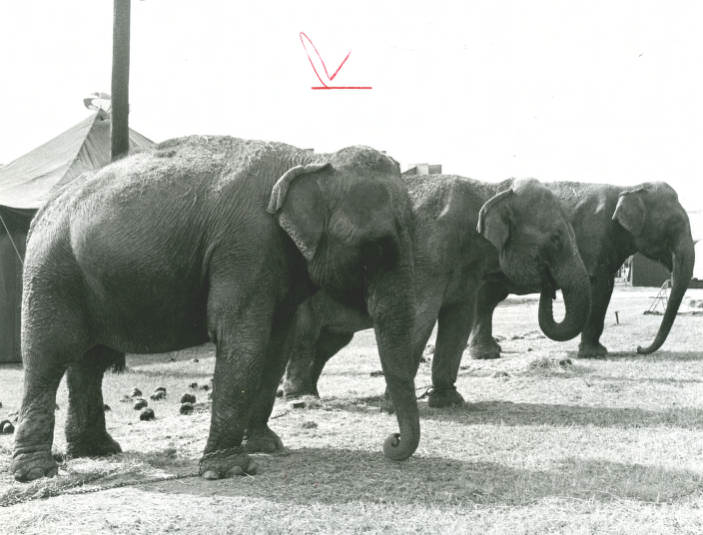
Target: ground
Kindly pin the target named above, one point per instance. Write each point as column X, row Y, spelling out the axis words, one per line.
column 546, row 444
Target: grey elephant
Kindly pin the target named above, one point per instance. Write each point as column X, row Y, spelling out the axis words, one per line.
column 611, row 223
column 209, row 238
column 466, row 232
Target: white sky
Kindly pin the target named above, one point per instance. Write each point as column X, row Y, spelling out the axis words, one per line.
column 604, row 91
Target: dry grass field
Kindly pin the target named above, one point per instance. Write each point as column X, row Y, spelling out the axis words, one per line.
column 546, row 444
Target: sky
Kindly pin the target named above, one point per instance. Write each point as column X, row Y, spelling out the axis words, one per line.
column 597, row 91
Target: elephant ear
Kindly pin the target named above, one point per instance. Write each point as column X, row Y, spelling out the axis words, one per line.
column 494, row 219
column 630, row 211
column 300, row 207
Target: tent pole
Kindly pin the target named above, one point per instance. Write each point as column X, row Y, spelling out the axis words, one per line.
column 12, row 241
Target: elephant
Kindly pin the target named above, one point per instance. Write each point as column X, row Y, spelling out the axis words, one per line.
column 467, row 231
column 210, row 238
column 611, row 223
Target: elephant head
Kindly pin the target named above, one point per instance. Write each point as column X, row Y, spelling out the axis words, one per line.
column 350, row 217
column 537, row 249
column 659, row 226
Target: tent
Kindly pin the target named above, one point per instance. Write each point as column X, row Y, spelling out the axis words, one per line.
column 24, row 185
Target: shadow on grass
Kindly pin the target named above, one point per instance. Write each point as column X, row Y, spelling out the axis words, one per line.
column 340, row 476
column 676, row 356
column 559, row 415
column 332, row 476
column 643, row 380
column 93, row 474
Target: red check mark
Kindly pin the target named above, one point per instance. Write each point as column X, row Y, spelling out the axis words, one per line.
column 303, row 38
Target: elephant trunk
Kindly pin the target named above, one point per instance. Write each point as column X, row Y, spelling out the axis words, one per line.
column 391, row 308
column 684, row 257
column 574, row 282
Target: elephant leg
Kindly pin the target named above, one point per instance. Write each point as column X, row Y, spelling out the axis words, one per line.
column 31, row 458
column 327, row 346
column 300, row 350
column 601, row 292
column 259, row 437
column 482, row 345
column 52, row 339
column 241, row 338
column 423, row 332
column 86, row 435
column 453, row 329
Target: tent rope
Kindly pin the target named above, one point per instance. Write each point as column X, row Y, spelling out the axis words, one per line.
column 12, row 241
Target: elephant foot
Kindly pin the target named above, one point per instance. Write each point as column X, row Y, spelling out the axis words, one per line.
column 445, row 397
column 300, row 393
column 93, row 447
column 30, row 466
column 484, row 351
column 264, row 441
column 387, row 403
column 293, row 388
column 592, row 351
column 219, row 464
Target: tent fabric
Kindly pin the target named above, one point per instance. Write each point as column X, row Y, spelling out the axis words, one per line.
column 24, row 186
column 26, row 182
column 11, row 281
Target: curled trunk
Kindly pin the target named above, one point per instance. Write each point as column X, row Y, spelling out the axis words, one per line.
column 573, row 280
column 684, row 257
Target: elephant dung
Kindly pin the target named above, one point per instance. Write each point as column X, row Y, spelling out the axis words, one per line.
column 6, row 427
column 147, row 414
column 140, row 404
column 186, row 408
column 187, row 398
column 136, row 393
column 158, row 394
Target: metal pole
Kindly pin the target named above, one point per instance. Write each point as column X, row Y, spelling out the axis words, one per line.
column 120, row 79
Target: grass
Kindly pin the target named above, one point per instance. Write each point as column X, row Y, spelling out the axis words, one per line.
column 547, row 443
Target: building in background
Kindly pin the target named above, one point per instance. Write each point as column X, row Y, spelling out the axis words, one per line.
column 424, row 169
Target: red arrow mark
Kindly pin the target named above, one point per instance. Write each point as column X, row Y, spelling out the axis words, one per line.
column 303, row 38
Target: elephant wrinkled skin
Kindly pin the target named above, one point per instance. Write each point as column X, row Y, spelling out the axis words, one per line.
column 209, row 238
column 466, row 231
column 611, row 223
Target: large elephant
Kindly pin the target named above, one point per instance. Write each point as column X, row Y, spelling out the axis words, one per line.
column 210, row 238
column 611, row 223
column 466, row 231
